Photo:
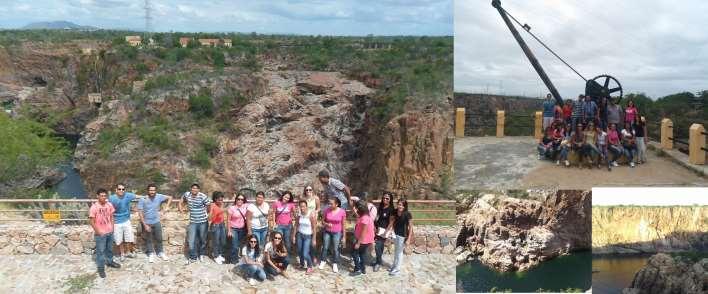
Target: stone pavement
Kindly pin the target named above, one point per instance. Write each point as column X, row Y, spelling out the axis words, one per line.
column 421, row 273
column 511, row 163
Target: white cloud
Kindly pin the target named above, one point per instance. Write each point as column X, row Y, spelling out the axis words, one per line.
column 656, row 47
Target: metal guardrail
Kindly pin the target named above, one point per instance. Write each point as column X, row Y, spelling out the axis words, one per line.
column 87, row 202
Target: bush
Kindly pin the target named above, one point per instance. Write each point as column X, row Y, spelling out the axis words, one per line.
column 27, row 147
column 209, row 144
column 157, row 136
column 163, row 81
column 111, row 137
column 142, row 68
column 201, row 106
column 200, row 158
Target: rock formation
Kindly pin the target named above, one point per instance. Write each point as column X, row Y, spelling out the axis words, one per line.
column 664, row 275
column 512, row 234
column 635, row 229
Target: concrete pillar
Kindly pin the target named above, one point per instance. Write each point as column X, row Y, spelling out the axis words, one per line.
column 460, row 122
column 667, row 132
column 538, row 125
column 500, row 123
column 696, row 141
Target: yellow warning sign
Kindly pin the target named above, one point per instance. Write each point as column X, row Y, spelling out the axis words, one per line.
column 51, row 216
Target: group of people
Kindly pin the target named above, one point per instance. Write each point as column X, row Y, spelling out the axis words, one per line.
column 263, row 236
column 597, row 131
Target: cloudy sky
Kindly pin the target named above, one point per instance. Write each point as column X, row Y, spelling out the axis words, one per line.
column 649, row 196
column 311, row 17
column 657, row 47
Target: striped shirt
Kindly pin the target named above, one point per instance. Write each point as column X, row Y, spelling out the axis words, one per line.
column 197, row 207
column 578, row 109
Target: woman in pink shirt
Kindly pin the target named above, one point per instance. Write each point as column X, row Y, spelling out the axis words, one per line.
column 614, row 145
column 283, row 209
column 630, row 113
column 364, row 234
column 236, row 214
column 333, row 222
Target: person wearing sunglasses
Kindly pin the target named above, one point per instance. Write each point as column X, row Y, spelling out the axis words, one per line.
column 312, row 200
column 276, row 255
column 251, row 263
column 236, row 214
column 124, row 236
column 382, row 222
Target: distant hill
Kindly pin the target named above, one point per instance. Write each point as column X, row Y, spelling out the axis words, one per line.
column 57, row 25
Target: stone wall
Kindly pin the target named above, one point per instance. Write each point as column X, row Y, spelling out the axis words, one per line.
column 39, row 238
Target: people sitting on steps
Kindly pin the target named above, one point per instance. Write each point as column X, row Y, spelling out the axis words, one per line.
column 597, row 132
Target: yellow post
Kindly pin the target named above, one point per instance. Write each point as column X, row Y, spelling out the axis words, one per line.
column 460, row 123
column 538, row 125
column 696, row 141
column 667, row 132
column 500, row 123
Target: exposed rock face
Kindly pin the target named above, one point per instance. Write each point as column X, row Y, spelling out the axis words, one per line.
column 664, row 274
column 649, row 229
column 411, row 155
column 511, row 234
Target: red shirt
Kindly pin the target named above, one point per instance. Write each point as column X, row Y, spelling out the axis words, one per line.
column 567, row 111
column 217, row 214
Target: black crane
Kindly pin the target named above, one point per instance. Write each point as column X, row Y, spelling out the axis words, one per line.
column 597, row 87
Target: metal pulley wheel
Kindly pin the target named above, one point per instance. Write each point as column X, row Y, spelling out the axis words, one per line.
column 604, row 86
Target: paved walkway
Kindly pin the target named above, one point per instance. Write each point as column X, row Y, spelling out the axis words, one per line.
column 433, row 273
column 511, row 163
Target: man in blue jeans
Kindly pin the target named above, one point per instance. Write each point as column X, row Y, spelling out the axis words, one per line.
column 101, row 220
column 197, row 203
column 149, row 211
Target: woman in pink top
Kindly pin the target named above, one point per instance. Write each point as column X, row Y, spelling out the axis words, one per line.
column 613, row 144
column 364, row 234
column 630, row 113
column 283, row 209
column 333, row 234
column 237, row 225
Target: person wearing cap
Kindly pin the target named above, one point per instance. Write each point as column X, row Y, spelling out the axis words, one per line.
column 335, row 188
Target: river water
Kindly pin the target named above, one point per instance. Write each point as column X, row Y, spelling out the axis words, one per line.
column 71, row 186
column 570, row 271
column 612, row 273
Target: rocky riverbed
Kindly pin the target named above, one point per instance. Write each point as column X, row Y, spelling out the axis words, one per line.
column 517, row 233
column 431, row 273
column 665, row 274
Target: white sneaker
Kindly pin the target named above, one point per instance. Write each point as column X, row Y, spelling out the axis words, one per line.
column 558, row 162
column 151, row 258
column 251, row 282
column 567, row 163
column 539, row 157
column 163, row 256
column 218, row 259
column 322, row 264
column 631, row 164
column 334, row 268
column 614, row 163
column 122, row 258
column 202, row 258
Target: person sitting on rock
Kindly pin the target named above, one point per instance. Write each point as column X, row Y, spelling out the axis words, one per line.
column 545, row 146
column 123, row 233
column 217, row 226
column 589, row 143
column 602, row 147
column 335, row 188
column 276, row 255
column 252, row 261
column 101, row 220
column 149, row 211
column 577, row 141
column 614, row 145
column 403, row 229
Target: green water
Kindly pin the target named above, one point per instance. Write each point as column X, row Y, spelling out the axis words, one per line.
column 555, row 275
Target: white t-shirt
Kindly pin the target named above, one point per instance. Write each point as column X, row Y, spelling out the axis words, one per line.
column 269, row 249
column 250, row 253
column 259, row 215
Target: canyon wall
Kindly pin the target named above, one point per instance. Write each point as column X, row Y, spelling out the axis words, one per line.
column 643, row 229
column 512, row 234
column 666, row 274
